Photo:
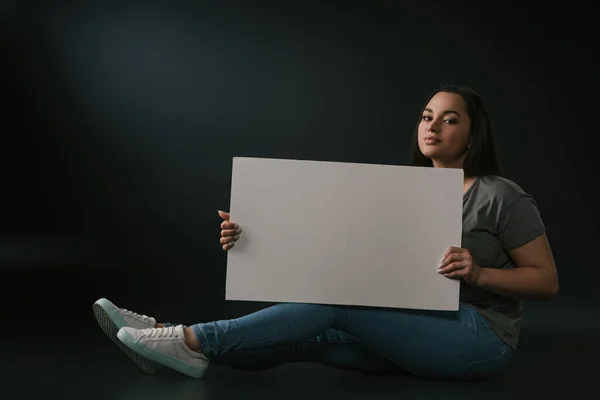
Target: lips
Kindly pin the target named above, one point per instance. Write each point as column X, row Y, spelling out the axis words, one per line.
column 431, row 140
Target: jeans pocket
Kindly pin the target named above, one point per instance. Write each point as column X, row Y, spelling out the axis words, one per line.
column 486, row 369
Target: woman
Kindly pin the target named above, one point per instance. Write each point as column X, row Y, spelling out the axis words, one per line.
column 505, row 258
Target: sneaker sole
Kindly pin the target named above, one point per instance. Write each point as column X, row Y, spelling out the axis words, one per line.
column 168, row 361
column 111, row 328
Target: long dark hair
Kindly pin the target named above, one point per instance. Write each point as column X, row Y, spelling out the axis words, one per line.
column 482, row 157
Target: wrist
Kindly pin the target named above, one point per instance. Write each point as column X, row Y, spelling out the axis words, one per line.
column 480, row 277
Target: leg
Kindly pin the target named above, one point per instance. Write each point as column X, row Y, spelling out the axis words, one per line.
column 332, row 348
column 170, row 345
column 428, row 344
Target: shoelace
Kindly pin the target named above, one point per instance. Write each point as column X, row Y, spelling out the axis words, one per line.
column 141, row 316
column 168, row 331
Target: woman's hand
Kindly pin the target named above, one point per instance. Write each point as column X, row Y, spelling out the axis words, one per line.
column 230, row 231
column 458, row 263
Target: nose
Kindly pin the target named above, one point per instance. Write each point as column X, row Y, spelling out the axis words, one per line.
column 433, row 127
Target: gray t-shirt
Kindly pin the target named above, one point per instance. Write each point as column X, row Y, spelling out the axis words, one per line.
column 497, row 216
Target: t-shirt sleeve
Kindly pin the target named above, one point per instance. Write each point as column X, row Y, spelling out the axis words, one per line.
column 520, row 223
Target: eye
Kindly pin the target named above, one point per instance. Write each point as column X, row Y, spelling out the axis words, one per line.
column 426, row 118
column 450, row 121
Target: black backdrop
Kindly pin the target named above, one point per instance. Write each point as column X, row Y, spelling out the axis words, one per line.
column 120, row 121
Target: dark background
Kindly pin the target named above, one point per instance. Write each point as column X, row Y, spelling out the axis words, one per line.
column 120, row 121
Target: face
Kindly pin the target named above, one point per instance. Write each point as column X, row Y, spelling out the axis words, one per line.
column 443, row 133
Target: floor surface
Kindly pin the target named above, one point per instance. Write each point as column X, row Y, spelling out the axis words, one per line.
column 558, row 356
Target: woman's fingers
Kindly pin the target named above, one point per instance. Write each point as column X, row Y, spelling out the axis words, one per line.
column 229, row 239
column 229, row 225
column 230, row 232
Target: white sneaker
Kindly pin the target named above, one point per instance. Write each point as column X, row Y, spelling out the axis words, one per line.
column 165, row 346
column 112, row 318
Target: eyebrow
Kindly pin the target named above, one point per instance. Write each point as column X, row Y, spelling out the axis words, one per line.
column 445, row 112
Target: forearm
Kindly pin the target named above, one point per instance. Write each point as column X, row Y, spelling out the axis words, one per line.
column 518, row 283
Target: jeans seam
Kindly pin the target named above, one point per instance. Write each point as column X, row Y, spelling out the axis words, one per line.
column 491, row 359
column 209, row 348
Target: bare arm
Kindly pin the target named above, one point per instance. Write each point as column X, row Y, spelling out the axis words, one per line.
column 535, row 276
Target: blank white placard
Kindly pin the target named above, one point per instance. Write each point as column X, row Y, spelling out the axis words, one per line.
column 343, row 233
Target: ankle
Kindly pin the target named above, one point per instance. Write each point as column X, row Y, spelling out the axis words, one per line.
column 191, row 341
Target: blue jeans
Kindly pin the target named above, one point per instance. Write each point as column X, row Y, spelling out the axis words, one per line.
column 428, row 344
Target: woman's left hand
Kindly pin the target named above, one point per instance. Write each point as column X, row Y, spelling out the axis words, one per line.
column 459, row 263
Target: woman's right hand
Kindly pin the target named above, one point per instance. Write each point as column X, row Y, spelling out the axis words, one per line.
column 230, row 231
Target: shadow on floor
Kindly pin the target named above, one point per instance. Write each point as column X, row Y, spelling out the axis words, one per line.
column 550, row 362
